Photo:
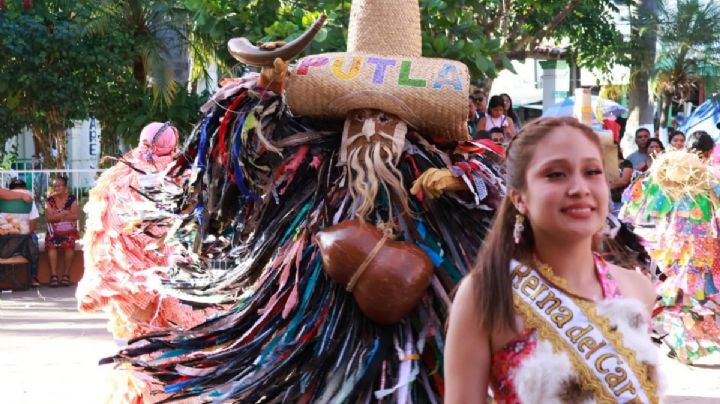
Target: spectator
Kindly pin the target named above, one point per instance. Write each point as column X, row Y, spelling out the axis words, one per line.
column 13, row 195
column 654, row 148
column 702, row 144
column 640, row 159
column 497, row 135
column 496, row 118
column 62, row 213
column 480, row 100
column 618, row 185
column 510, row 112
column 485, row 139
column 677, row 140
column 472, row 117
column 19, row 186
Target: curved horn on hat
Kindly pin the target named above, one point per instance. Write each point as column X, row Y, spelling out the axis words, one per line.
column 245, row 52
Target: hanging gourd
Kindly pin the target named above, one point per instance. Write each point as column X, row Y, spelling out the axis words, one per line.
column 27, row 4
column 2, row 4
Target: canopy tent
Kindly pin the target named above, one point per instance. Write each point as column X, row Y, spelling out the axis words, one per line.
column 605, row 107
column 705, row 117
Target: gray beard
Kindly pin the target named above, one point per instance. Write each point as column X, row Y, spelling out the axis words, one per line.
column 368, row 172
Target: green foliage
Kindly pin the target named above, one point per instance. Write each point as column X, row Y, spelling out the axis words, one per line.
column 690, row 45
column 68, row 60
column 481, row 33
column 64, row 61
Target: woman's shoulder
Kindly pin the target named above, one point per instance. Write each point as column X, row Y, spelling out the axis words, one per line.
column 634, row 284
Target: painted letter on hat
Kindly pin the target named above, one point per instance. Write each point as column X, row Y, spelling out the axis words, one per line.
column 380, row 65
column 448, row 76
column 307, row 63
column 405, row 80
column 337, row 67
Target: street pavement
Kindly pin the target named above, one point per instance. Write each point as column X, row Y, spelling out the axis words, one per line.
column 49, row 354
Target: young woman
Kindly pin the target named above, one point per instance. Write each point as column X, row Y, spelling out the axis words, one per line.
column 540, row 319
column 510, row 112
column 496, row 118
column 677, row 139
column 62, row 213
column 655, row 147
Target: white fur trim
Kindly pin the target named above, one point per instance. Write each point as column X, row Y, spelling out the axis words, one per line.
column 541, row 375
column 624, row 313
column 631, row 318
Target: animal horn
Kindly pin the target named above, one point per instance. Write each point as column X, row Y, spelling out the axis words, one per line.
column 245, row 52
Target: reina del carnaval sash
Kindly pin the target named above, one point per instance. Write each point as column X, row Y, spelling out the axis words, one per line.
column 572, row 325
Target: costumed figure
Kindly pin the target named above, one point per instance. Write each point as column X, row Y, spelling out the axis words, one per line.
column 336, row 204
column 124, row 241
column 674, row 208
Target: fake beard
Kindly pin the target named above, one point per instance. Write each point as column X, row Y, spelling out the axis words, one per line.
column 371, row 167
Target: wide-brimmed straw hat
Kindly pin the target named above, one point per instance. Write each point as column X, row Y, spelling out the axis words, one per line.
column 383, row 69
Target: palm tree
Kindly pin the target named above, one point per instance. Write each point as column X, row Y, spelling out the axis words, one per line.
column 158, row 30
column 643, row 16
column 690, row 42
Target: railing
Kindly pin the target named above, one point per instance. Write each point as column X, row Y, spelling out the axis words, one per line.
column 80, row 181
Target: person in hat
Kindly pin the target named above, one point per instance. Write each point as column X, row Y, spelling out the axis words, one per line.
column 341, row 222
column 119, row 252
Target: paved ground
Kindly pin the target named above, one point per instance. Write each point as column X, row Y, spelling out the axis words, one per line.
column 49, row 354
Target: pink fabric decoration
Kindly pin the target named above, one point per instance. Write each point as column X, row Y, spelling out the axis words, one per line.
column 157, row 144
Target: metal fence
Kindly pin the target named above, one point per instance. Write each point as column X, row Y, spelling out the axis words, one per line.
column 80, row 181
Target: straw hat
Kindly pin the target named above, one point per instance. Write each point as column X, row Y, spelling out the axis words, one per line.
column 383, row 69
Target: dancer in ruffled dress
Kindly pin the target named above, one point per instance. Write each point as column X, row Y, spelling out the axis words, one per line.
column 675, row 209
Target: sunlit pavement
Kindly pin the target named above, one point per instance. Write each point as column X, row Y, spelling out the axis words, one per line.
column 49, row 354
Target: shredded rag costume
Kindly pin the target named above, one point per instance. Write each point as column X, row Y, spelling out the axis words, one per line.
column 674, row 208
column 573, row 349
column 120, row 251
column 265, row 187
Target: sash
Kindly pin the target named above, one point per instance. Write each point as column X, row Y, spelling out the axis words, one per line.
column 572, row 325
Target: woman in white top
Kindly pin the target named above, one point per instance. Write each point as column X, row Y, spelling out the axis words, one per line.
column 496, row 118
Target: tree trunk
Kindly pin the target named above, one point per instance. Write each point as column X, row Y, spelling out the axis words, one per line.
column 664, row 116
column 644, row 34
column 43, row 140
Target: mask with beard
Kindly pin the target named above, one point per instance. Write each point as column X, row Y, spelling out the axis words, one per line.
column 372, row 141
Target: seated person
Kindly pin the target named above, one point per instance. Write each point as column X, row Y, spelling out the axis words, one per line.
column 19, row 186
column 10, row 195
column 62, row 213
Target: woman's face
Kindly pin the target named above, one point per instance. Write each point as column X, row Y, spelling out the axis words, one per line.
column 654, row 149
column 506, row 102
column 566, row 197
column 678, row 141
column 59, row 186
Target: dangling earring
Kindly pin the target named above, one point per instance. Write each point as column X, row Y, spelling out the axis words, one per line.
column 519, row 227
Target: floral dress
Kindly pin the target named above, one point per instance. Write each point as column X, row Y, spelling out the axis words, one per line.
column 506, row 361
column 66, row 241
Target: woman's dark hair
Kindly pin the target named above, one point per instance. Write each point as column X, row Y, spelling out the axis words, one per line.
column 491, row 274
column 17, row 183
column 510, row 112
column 701, row 142
column 656, row 140
column 62, row 178
column 495, row 101
column 482, row 134
column 676, row 133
